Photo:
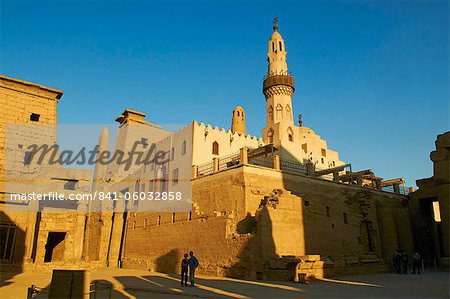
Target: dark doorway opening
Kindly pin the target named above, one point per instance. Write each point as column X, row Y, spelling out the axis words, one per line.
column 54, row 249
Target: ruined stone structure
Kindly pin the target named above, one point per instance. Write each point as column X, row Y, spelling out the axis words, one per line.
column 430, row 206
column 33, row 234
column 262, row 208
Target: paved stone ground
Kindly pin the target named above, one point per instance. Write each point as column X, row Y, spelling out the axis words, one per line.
column 140, row 284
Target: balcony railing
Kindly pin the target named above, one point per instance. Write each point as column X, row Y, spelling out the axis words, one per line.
column 278, row 80
column 273, row 161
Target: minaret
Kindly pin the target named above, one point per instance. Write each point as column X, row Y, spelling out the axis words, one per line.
column 278, row 86
column 238, row 122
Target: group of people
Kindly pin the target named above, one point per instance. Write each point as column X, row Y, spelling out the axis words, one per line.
column 401, row 261
column 190, row 264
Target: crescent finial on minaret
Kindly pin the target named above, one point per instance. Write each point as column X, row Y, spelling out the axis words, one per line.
column 275, row 24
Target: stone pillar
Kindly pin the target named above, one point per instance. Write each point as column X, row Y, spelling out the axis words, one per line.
column 359, row 180
column 443, row 198
column 32, row 218
column 276, row 162
column 105, row 236
column 79, row 230
column 194, row 171
column 396, row 188
column 116, row 235
column 378, row 184
column 310, row 168
column 336, row 176
column 244, row 155
column 215, row 164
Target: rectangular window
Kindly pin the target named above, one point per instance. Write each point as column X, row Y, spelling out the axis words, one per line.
column 175, row 176
column 324, row 152
column 328, row 211
column 158, row 221
column 35, row 117
column 7, row 237
column 190, row 216
column 173, row 217
column 150, row 186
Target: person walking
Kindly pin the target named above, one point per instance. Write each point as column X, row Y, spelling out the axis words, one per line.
column 404, row 261
column 416, row 261
column 184, row 270
column 396, row 258
column 193, row 264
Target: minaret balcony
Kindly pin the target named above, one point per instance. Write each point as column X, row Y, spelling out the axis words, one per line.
column 273, row 80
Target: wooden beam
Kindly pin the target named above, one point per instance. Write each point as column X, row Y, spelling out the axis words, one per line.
column 392, row 182
column 330, row 170
column 355, row 175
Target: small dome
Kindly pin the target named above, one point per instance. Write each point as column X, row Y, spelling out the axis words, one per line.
column 306, row 130
column 276, row 35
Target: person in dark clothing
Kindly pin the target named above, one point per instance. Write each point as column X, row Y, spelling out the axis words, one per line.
column 193, row 264
column 396, row 258
column 184, row 270
column 416, row 261
column 404, row 261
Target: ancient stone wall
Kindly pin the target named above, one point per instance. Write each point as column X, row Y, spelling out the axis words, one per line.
column 18, row 101
column 240, row 223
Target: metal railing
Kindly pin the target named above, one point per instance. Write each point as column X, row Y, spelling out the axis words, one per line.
column 262, row 161
column 229, row 161
column 402, row 189
column 286, row 166
column 293, row 167
column 205, row 169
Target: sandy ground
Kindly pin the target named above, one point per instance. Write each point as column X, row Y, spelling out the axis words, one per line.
column 140, row 284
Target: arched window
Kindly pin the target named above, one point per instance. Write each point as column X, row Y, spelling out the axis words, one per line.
column 279, row 111
column 288, row 111
column 281, row 47
column 183, row 148
column 290, row 134
column 270, row 135
column 273, row 47
column 172, row 154
column 270, row 113
column 215, row 148
column 238, row 113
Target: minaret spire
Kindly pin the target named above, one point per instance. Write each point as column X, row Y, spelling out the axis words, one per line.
column 277, row 52
column 278, row 89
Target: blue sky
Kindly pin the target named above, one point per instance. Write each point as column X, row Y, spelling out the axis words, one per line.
column 372, row 77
